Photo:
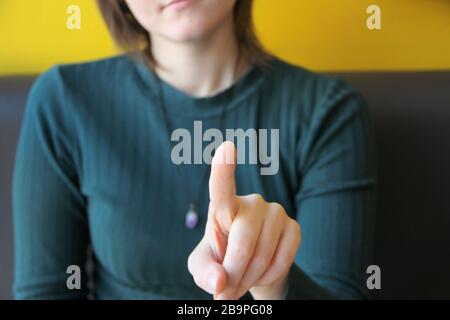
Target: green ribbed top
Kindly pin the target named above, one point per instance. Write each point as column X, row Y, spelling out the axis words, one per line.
column 93, row 167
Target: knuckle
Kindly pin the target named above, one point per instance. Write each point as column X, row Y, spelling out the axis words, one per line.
column 195, row 273
column 296, row 230
column 276, row 207
column 197, row 281
column 190, row 263
column 256, row 198
column 192, row 260
column 277, row 210
column 296, row 227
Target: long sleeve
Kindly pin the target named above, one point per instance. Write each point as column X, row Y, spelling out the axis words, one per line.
column 92, row 169
column 336, row 199
column 50, row 227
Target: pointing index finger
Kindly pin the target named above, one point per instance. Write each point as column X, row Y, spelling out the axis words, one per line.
column 222, row 185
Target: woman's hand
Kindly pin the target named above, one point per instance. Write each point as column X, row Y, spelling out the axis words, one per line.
column 249, row 244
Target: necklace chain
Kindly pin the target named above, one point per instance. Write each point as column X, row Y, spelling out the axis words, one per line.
column 192, row 216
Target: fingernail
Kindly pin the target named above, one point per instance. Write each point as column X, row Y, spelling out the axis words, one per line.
column 212, row 282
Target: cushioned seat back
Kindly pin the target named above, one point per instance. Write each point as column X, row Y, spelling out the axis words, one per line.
column 411, row 116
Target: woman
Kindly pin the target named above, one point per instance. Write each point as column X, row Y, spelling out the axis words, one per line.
column 95, row 167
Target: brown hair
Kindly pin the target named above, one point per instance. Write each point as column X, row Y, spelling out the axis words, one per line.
column 131, row 36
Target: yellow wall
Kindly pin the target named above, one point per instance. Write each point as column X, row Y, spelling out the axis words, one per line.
column 319, row 34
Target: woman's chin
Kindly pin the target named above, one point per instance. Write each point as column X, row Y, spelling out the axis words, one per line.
column 187, row 34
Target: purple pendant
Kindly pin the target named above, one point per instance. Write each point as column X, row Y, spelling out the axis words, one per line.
column 191, row 218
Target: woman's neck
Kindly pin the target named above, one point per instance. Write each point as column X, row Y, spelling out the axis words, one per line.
column 202, row 67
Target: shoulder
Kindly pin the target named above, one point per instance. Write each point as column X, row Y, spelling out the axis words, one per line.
column 303, row 80
column 69, row 94
column 67, row 86
column 67, row 77
column 310, row 92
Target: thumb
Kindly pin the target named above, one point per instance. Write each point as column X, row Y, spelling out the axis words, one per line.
column 208, row 274
column 222, row 186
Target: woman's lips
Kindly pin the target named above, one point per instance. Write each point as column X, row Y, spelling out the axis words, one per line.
column 178, row 4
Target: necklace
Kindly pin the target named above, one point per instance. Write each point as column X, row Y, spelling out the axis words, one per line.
column 191, row 218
